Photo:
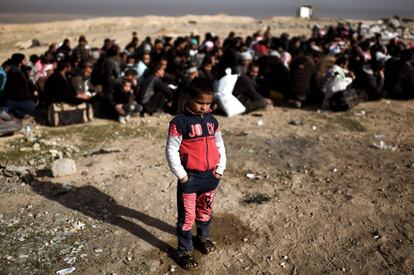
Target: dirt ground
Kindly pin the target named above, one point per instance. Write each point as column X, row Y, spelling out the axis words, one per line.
column 304, row 192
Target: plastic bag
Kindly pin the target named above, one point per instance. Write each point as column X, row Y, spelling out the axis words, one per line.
column 230, row 105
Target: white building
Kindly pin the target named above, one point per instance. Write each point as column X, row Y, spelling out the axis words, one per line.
column 305, row 11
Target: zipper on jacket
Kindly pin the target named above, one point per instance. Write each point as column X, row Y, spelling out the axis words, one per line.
column 208, row 165
column 206, row 137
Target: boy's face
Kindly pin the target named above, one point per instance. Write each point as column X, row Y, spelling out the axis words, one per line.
column 254, row 71
column 127, row 87
column 208, row 67
column 201, row 104
column 160, row 72
column 146, row 59
column 131, row 60
column 87, row 71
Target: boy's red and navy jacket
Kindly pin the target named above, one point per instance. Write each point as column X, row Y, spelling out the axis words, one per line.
column 195, row 143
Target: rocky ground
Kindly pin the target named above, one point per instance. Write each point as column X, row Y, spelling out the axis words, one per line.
column 305, row 192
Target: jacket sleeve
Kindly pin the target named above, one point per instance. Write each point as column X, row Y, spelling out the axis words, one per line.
column 172, row 151
column 221, row 166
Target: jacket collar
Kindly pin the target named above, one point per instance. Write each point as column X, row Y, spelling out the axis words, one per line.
column 188, row 111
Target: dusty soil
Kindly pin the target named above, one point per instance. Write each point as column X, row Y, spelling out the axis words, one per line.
column 321, row 197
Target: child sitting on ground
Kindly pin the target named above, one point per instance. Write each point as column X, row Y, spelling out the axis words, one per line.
column 125, row 103
column 196, row 156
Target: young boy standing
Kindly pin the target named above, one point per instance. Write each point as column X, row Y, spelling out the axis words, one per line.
column 196, row 155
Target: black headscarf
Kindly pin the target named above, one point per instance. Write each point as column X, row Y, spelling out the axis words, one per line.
column 17, row 58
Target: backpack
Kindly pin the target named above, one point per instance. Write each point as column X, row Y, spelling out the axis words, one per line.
column 344, row 100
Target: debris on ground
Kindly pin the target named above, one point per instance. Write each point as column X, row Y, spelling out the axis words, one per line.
column 63, row 167
column 101, row 151
column 383, row 146
column 388, row 28
column 66, row 271
column 252, row 176
column 25, row 173
column 296, row 122
column 257, row 199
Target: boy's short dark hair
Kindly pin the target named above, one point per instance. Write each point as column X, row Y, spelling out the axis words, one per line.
column 200, row 85
column 155, row 67
column 126, row 80
column 85, row 64
column 341, row 59
column 131, row 72
column 253, row 64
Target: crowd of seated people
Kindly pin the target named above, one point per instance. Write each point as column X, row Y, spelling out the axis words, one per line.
column 151, row 76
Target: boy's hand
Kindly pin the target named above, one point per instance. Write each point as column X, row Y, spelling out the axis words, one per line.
column 218, row 176
column 184, row 180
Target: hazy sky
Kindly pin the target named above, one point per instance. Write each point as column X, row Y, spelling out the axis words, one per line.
column 371, row 9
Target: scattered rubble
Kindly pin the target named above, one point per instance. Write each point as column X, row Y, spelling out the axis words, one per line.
column 25, row 173
column 66, row 271
column 361, row 113
column 63, row 237
column 252, row 176
column 383, row 146
column 296, row 122
column 376, row 235
column 42, row 247
column 389, row 28
column 63, row 167
column 257, row 199
column 101, row 151
column 172, row 268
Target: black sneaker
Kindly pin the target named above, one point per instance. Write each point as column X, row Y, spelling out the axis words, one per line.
column 205, row 246
column 186, row 260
